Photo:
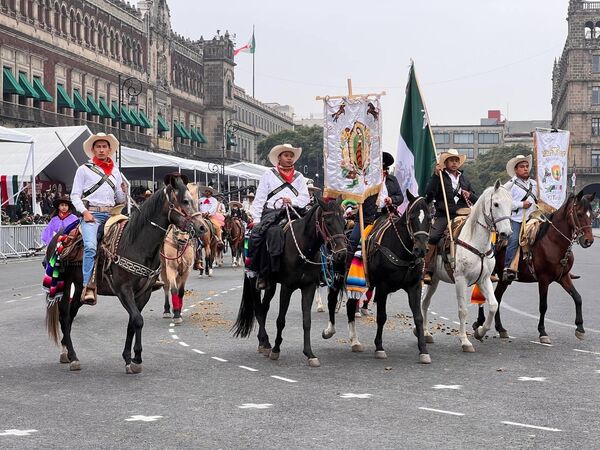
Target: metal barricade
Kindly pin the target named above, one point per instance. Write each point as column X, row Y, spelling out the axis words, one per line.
column 17, row 241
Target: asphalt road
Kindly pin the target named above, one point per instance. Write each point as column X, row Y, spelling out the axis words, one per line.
column 201, row 388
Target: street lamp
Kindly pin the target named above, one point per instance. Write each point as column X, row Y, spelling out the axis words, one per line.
column 229, row 140
column 132, row 87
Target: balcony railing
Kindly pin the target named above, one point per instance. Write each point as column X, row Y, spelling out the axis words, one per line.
column 592, row 170
column 590, row 5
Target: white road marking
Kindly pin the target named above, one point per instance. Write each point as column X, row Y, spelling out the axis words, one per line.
column 452, row 413
column 171, row 325
column 532, row 379
column 283, row 379
column 529, row 426
column 597, row 371
column 351, row 395
column 12, row 301
column 175, row 336
column 200, row 352
column 239, row 287
column 216, row 358
column 541, row 343
column 141, row 418
column 17, row 432
column 250, row 369
column 455, row 322
column 39, row 295
column 216, row 295
column 444, row 318
column 447, row 386
column 433, row 312
column 233, row 289
column 532, row 316
column 185, row 310
column 171, row 330
column 183, row 344
column 255, row 406
column 26, row 298
column 208, row 298
column 585, row 351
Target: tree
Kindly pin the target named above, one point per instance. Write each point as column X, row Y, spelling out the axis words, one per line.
column 311, row 141
column 491, row 166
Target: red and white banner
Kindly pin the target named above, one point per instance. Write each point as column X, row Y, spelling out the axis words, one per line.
column 551, row 152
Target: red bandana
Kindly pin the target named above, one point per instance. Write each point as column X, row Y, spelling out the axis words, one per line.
column 63, row 215
column 287, row 175
column 207, row 201
column 107, row 165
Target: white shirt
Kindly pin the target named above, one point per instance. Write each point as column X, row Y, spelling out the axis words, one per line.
column 208, row 205
column 518, row 188
column 455, row 185
column 85, row 178
column 268, row 183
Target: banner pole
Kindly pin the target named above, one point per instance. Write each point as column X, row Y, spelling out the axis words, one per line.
column 449, row 225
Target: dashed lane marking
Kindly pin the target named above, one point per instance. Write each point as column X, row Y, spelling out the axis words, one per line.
column 288, row 380
column 175, row 336
column 541, row 379
column 524, row 425
column 183, row 344
column 171, row 330
column 40, row 294
column 224, row 292
column 351, row 395
column 441, row 411
column 171, row 325
column 249, row 369
column 200, row 352
column 542, row 344
column 255, row 406
column 447, row 386
column 17, row 432
column 444, row 318
column 142, row 418
column 185, row 310
column 532, row 316
column 455, row 322
column 216, row 358
column 585, row 351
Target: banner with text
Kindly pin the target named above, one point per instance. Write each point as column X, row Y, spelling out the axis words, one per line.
column 352, row 147
column 551, row 151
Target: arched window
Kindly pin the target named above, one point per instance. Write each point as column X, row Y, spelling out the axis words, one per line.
column 48, row 13
column 100, row 38
column 57, row 17
column 140, row 61
column 86, row 30
column 597, row 31
column 588, row 30
column 72, row 24
column 112, row 43
column 92, row 33
column 63, row 20
column 106, row 39
column 229, row 89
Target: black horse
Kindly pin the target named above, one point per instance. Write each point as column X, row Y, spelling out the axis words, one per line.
column 394, row 261
column 300, row 269
column 132, row 270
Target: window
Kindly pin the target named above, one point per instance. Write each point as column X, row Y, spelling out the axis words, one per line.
column 441, row 138
column 467, row 151
column 595, row 63
column 596, row 126
column 596, row 95
column 464, row 138
column 588, row 30
column 595, row 158
column 489, row 138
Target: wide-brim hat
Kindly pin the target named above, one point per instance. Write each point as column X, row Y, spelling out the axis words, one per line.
column 451, row 153
column 64, row 199
column 203, row 189
column 170, row 176
column 235, row 204
column 113, row 142
column 387, row 160
column 312, row 187
column 512, row 163
column 279, row 149
column 249, row 195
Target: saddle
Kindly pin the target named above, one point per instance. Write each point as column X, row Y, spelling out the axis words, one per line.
column 443, row 246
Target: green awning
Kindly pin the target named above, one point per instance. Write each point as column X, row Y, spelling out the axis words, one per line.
column 133, row 114
column 64, row 101
column 124, row 115
column 11, row 86
column 104, row 108
column 162, row 123
column 144, row 118
column 41, row 90
column 94, row 108
column 203, row 139
column 180, row 131
column 80, row 104
column 27, row 87
column 197, row 136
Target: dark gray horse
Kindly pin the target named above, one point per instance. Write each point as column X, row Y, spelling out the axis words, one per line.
column 300, row 269
column 132, row 277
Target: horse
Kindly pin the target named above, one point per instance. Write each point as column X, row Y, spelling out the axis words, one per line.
column 300, row 268
column 131, row 269
column 394, row 261
column 206, row 249
column 474, row 259
column 551, row 260
column 176, row 260
column 234, row 231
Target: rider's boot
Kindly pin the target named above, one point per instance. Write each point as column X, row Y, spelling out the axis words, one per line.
column 157, row 285
column 88, row 296
column 427, row 270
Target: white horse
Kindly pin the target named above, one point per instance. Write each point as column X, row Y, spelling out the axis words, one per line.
column 474, row 260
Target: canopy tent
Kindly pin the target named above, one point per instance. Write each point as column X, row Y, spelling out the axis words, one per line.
column 250, row 168
column 15, row 146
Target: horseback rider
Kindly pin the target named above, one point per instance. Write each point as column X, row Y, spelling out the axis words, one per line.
column 236, row 210
column 247, row 202
column 62, row 217
column 97, row 187
column 523, row 190
column 280, row 187
column 209, row 207
column 312, row 190
column 459, row 195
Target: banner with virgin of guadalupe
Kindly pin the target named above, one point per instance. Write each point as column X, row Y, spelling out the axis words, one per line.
column 551, row 151
column 352, row 147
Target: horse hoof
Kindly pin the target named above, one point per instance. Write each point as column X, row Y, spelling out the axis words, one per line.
column 64, row 358
column 479, row 334
column 580, row 335
column 545, row 340
column 75, row 365
column 273, row 356
column 504, row 335
column 380, row 354
column 166, row 315
column 357, row 348
column 314, row 362
column 178, row 320
column 260, row 349
column 133, row 368
column 424, row 358
column 327, row 335
column 320, row 309
column 428, row 339
column 468, row 348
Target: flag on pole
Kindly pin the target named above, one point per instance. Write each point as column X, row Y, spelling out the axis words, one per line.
column 9, row 188
column 415, row 156
column 248, row 48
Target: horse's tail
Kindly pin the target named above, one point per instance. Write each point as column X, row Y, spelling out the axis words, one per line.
column 245, row 320
column 53, row 322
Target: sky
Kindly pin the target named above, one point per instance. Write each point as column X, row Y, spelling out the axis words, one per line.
column 470, row 55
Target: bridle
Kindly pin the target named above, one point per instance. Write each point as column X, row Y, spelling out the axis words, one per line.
column 412, row 234
column 490, row 221
column 575, row 224
column 186, row 226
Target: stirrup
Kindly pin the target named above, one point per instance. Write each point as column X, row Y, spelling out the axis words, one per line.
column 427, row 278
column 509, row 275
column 88, row 296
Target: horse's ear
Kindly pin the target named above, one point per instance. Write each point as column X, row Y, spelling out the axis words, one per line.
column 497, row 185
column 580, row 195
column 591, row 196
column 320, row 202
column 409, row 196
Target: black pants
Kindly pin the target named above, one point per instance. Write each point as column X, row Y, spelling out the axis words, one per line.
column 440, row 225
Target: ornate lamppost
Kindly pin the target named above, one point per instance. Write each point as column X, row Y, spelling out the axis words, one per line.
column 229, row 140
column 132, row 87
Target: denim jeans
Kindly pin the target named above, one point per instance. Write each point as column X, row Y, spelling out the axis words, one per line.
column 513, row 243
column 89, row 231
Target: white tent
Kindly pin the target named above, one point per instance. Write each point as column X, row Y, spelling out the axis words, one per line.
column 16, row 154
column 250, row 168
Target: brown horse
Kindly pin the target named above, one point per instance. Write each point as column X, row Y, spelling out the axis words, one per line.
column 234, row 230
column 552, row 260
column 176, row 258
column 206, row 249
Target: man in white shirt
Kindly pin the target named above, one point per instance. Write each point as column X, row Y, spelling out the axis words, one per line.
column 278, row 187
column 209, row 207
column 523, row 191
column 97, row 187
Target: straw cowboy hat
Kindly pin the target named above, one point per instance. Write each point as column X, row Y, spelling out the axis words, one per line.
column 235, row 204
column 279, row 149
column 512, row 163
column 172, row 175
column 203, row 189
column 63, row 199
column 451, row 153
column 110, row 138
column 312, row 187
column 249, row 195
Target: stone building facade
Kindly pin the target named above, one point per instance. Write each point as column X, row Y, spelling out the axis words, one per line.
column 63, row 61
column 576, row 90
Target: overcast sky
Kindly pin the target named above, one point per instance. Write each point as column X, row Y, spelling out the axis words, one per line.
column 470, row 55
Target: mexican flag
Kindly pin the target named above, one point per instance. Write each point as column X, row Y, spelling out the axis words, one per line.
column 9, row 188
column 248, row 48
column 415, row 156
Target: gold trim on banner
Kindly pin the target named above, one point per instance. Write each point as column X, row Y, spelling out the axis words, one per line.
column 357, row 198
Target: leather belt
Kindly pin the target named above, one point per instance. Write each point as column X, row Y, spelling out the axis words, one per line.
column 100, row 208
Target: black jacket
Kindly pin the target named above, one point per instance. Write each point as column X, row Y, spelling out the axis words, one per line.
column 434, row 192
column 370, row 204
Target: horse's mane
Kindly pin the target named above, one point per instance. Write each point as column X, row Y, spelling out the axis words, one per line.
column 148, row 211
column 478, row 206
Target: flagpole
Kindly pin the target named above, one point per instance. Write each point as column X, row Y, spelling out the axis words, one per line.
column 253, row 56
